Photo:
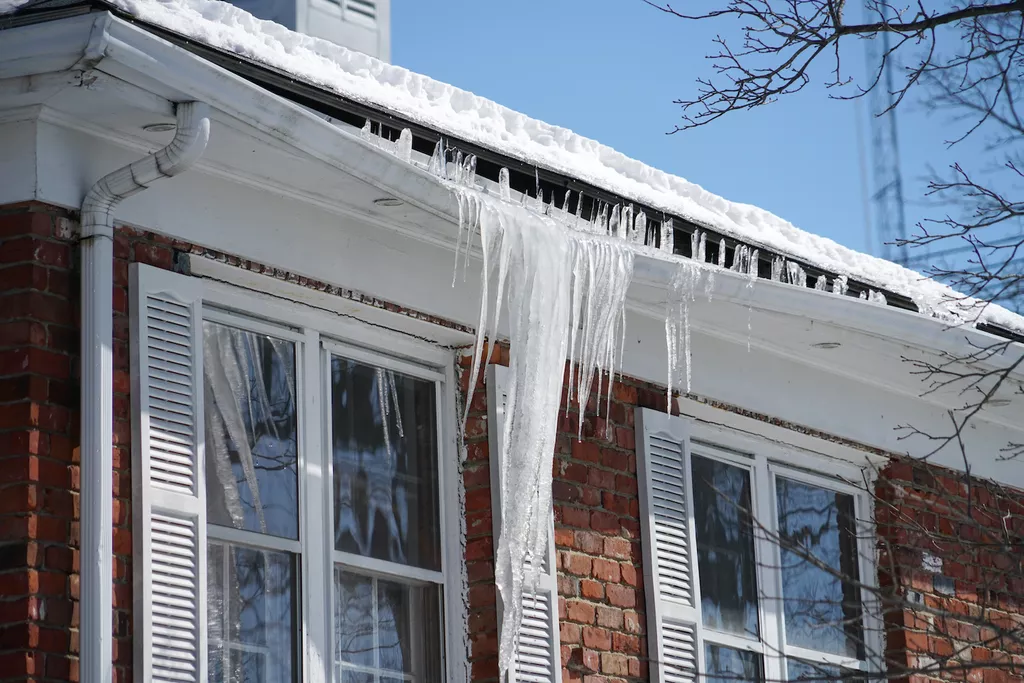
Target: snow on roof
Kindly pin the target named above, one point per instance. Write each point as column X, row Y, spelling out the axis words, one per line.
column 461, row 114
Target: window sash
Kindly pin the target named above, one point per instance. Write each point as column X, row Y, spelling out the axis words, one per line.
column 371, row 566
column 316, row 338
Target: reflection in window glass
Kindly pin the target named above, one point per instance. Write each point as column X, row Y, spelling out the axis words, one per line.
column 728, row 665
column 384, row 431
column 821, row 606
column 251, row 431
column 805, row 672
column 725, row 546
column 383, row 629
column 251, row 615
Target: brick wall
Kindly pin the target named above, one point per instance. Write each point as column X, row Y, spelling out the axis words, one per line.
column 952, row 563
column 597, row 536
column 38, row 437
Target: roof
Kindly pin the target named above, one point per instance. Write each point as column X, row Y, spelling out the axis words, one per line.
column 397, row 93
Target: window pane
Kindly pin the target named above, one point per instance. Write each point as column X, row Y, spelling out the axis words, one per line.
column 821, row 601
column 385, row 464
column 727, row 665
column 805, row 672
column 251, row 614
column 251, row 431
column 725, row 546
column 386, row 630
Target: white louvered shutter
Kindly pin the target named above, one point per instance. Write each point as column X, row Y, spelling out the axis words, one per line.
column 663, row 467
column 539, row 656
column 169, row 509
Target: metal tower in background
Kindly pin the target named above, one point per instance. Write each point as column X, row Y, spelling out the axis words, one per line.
column 887, row 196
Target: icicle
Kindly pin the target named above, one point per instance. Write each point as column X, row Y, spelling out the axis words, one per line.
column 615, row 224
column 627, row 223
column 721, row 253
column 839, row 285
column 677, row 323
column 863, row 295
column 821, row 284
column 778, row 266
column 367, row 131
column 795, row 274
column 877, row 297
column 403, row 148
column 740, row 262
column 438, row 165
column 504, row 191
column 458, row 167
column 668, row 236
column 564, row 289
column 579, row 206
column 702, row 247
column 640, row 228
column 469, row 170
column 752, row 267
column 697, row 244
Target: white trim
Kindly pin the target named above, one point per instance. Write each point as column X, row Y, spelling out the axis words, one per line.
column 744, row 433
column 376, row 360
column 455, row 598
column 312, row 494
column 387, row 570
column 299, row 313
column 253, row 539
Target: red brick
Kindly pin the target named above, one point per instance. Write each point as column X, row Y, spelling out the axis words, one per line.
column 576, row 564
column 606, row 570
column 609, row 617
column 621, row 596
column 597, row 638
column 591, row 590
column 580, row 612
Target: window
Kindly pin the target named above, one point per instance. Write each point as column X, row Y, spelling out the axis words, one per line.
column 291, row 494
column 757, row 564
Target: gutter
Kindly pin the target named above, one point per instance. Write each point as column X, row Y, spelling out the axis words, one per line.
column 97, row 386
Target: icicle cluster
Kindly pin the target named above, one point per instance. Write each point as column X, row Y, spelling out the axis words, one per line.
column 564, row 292
column 401, row 148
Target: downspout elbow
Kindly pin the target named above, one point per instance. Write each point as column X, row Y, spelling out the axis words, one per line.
column 97, row 381
column 190, row 139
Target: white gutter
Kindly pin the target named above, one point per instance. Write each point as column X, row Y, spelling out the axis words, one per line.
column 97, row 392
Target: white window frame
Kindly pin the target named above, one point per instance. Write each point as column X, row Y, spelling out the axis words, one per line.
column 766, row 459
column 315, row 331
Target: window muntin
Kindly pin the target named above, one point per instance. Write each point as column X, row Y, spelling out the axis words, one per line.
column 725, row 546
column 819, row 562
column 252, row 448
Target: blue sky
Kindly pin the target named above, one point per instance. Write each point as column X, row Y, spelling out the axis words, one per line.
column 609, row 70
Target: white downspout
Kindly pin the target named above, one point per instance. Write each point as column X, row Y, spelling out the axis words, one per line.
column 97, row 395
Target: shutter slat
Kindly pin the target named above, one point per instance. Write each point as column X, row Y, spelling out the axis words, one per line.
column 538, row 651
column 167, row 470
